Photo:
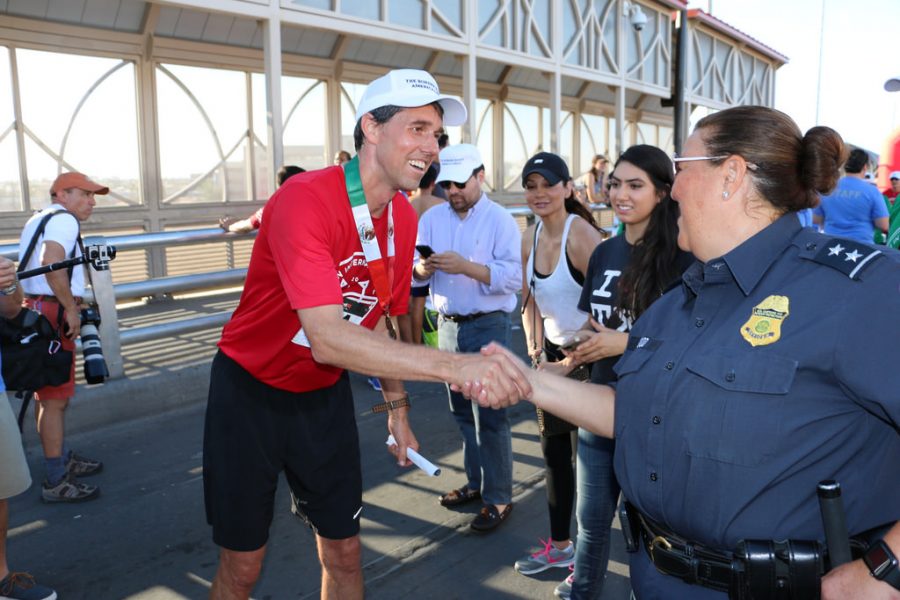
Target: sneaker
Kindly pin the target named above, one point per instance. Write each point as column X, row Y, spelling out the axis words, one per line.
column 546, row 558
column 22, row 586
column 80, row 466
column 564, row 589
column 375, row 383
column 68, row 489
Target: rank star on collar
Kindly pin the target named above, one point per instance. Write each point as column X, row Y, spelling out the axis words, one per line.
column 854, row 256
column 835, row 250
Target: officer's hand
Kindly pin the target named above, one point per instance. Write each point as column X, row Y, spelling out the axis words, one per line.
column 449, row 262
column 853, row 581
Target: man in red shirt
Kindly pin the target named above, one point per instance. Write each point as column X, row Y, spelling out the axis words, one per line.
column 335, row 250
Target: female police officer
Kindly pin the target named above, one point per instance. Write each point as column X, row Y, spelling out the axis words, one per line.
column 765, row 371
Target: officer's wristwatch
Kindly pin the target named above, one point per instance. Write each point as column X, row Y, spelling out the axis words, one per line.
column 883, row 564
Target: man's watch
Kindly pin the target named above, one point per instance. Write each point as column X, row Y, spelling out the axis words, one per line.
column 391, row 405
column 883, row 564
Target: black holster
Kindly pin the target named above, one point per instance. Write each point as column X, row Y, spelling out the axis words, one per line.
column 631, row 527
column 777, row 570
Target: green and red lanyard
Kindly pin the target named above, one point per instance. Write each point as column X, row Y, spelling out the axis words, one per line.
column 381, row 270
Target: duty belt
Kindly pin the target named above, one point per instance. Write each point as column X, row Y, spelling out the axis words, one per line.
column 691, row 562
column 756, row 570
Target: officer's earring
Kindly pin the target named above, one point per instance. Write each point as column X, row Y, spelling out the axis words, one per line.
column 724, row 194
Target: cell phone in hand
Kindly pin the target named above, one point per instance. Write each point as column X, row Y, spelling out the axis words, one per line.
column 573, row 342
column 424, row 251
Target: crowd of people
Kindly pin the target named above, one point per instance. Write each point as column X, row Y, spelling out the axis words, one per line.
column 708, row 365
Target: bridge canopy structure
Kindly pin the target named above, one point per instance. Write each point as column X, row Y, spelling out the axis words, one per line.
column 186, row 108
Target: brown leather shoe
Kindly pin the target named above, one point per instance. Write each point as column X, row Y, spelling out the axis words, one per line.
column 490, row 518
column 460, row 496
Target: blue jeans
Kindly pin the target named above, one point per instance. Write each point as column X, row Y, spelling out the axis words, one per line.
column 487, row 441
column 598, row 493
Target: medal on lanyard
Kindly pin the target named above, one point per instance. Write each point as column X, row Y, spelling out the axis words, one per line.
column 381, row 270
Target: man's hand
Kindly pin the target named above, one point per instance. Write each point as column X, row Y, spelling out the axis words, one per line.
column 853, row 581
column 423, row 269
column 398, row 426
column 235, row 225
column 449, row 262
column 603, row 342
column 495, row 379
column 72, row 322
column 7, row 272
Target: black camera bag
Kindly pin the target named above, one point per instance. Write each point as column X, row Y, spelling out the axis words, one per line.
column 31, row 352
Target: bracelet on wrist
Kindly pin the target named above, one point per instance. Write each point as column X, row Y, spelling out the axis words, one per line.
column 391, row 404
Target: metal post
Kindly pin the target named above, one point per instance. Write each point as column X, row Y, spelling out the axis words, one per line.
column 105, row 297
column 274, row 119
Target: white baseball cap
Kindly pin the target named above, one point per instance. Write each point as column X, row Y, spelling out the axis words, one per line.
column 894, row 175
column 458, row 162
column 410, row 88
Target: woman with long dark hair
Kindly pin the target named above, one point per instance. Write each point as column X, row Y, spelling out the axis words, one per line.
column 626, row 274
column 555, row 253
column 595, row 180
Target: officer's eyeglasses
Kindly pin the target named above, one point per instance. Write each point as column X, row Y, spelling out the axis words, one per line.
column 680, row 159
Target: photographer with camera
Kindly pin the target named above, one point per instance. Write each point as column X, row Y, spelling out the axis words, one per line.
column 14, row 476
column 57, row 295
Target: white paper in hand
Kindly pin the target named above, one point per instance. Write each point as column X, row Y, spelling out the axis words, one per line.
column 417, row 459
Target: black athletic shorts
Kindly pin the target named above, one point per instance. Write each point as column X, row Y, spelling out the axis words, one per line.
column 419, row 291
column 253, row 432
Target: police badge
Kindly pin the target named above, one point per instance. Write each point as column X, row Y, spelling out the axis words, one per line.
column 764, row 325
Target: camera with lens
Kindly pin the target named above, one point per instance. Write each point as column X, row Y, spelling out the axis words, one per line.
column 99, row 255
column 95, row 370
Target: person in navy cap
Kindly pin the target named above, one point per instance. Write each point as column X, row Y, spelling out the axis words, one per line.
column 760, row 374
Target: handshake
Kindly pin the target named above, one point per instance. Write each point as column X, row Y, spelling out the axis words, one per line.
column 495, row 378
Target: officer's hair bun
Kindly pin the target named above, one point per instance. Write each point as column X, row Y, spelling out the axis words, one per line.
column 790, row 167
column 822, row 154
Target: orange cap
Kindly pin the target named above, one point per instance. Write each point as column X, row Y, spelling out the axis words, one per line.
column 67, row 181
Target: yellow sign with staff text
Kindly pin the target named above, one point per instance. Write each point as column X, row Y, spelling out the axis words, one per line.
column 764, row 325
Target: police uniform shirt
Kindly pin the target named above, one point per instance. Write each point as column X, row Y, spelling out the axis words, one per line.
column 761, row 374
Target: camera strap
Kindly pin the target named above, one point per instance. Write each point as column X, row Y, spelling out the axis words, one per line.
column 381, row 270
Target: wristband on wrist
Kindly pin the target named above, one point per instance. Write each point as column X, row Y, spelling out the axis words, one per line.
column 391, row 404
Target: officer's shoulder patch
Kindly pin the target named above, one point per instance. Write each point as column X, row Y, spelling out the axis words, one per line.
column 847, row 256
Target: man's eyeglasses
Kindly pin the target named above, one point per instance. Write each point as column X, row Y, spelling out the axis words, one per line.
column 460, row 186
column 680, row 159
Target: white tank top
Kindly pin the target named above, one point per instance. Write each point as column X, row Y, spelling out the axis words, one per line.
column 557, row 295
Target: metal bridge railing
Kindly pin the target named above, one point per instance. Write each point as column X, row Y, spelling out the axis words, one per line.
column 106, row 294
